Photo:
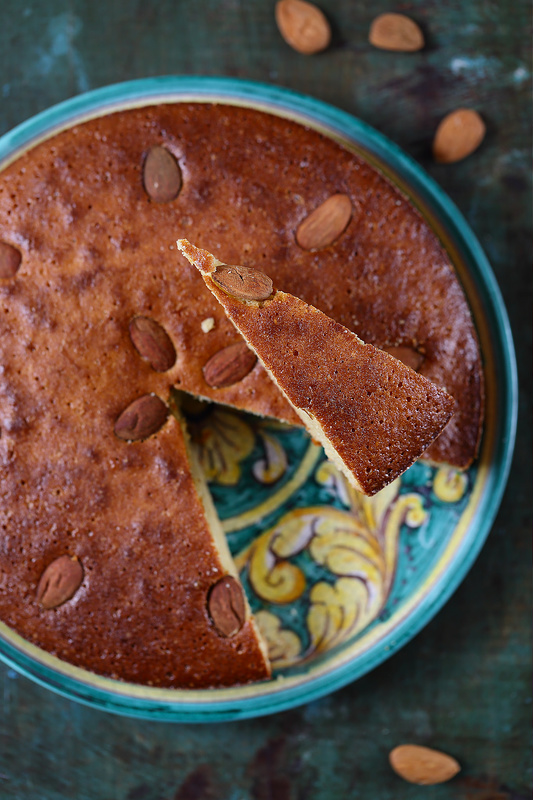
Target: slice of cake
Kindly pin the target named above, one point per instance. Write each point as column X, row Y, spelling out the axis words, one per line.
column 373, row 414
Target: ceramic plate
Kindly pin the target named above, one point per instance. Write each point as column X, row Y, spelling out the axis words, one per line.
column 338, row 581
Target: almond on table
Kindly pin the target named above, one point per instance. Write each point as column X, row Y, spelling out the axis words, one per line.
column 423, row 765
column 373, row 415
column 458, row 135
column 303, row 26
column 396, row 32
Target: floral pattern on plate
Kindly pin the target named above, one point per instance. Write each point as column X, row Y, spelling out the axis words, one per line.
column 321, row 562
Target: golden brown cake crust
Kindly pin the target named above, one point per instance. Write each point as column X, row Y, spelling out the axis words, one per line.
column 378, row 414
column 249, row 179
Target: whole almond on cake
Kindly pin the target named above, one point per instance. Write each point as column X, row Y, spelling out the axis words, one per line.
column 325, row 224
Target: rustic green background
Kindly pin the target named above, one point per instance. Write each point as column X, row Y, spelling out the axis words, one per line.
column 463, row 684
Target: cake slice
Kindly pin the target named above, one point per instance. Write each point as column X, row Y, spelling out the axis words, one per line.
column 373, row 415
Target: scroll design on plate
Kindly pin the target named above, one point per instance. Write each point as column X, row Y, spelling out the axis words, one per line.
column 354, row 552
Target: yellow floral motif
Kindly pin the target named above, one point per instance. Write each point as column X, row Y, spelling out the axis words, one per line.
column 357, row 546
column 274, row 464
column 449, row 484
column 222, row 441
column 364, row 558
column 339, row 611
column 272, row 576
column 327, row 474
column 345, row 548
column 284, row 646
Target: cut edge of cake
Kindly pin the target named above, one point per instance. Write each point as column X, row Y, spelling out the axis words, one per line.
column 215, row 527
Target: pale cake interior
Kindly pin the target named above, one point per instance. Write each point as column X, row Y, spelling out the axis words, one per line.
column 213, row 521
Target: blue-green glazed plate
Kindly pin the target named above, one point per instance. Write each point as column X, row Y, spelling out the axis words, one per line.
column 338, row 582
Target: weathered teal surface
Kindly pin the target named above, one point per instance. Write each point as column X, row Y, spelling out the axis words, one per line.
column 463, row 684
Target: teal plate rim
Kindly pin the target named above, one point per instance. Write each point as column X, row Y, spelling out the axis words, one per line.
column 480, row 285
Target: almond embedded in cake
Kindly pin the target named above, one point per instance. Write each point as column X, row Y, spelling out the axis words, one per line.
column 373, row 414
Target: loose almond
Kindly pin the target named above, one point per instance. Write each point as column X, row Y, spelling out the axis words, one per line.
column 59, row 582
column 229, row 365
column 226, row 607
column 141, row 419
column 326, row 223
column 244, row 283
column 458, row 135
column 10, row 259
column 153, row 343
column 303, row 26
column 407, row 355
column 161, row 175
column 422, row 765
column 396, row 32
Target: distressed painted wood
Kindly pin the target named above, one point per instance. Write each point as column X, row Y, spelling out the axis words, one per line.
column 463, row 684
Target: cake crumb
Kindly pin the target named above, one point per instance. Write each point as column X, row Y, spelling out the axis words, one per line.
column 208, row 324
